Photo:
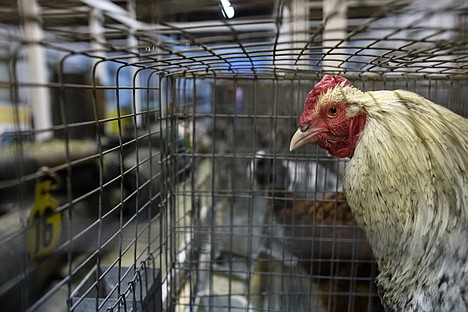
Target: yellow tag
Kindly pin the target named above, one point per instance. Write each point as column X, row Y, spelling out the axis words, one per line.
column 44, row 224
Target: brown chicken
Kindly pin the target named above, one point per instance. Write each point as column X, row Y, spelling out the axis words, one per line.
column 325, row 237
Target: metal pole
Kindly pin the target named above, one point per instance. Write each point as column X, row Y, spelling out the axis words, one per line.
column 300, row 29
column 334, row 20
column 97, row 31
column 133, row 44
column 39, row 100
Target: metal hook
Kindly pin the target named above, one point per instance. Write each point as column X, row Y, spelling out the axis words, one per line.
column 45, row 172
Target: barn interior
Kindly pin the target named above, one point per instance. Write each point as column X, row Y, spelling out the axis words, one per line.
column 144, row 148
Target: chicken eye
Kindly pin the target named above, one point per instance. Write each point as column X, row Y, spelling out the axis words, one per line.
column 333, row 111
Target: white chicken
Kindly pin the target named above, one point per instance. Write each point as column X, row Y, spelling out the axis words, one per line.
column 406, row 183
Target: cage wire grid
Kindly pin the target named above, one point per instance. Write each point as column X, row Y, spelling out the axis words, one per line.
column 144, row 148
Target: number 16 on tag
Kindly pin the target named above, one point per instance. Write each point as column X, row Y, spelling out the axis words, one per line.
column 44, row 223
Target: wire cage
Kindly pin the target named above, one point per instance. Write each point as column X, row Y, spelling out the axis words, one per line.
column 144, row 148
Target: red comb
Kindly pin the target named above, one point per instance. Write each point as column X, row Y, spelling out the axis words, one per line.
column 322, row 86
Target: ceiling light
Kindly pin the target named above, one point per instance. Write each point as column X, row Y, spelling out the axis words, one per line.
column 227, row 9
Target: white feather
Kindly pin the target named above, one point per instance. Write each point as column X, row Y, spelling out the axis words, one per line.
column 407, row 184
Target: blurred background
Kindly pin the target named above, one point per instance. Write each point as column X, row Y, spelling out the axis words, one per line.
column 144, row 148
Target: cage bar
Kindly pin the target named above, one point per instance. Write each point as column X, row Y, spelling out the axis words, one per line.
column 159, row 134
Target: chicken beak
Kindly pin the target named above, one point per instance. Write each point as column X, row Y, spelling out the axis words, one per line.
column 303, row 137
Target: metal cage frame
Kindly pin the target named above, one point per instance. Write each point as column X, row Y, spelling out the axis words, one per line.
column 155, row 176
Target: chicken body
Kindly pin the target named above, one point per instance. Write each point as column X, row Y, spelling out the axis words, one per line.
column 340, row 268
column 407, row 185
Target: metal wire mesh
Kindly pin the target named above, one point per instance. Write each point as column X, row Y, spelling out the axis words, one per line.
column 144, row 148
